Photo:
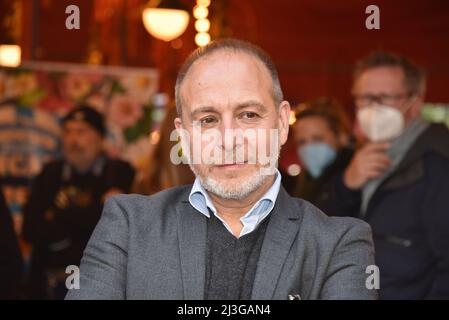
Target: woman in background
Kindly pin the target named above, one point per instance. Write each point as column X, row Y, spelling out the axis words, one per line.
column 322, row 134
column 160, row 172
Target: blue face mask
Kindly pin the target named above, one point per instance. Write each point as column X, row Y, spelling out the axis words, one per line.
column 316, row 157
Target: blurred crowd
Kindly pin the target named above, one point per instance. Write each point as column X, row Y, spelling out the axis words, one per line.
column 386, row 166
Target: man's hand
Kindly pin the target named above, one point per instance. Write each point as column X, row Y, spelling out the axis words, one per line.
column 369, row 162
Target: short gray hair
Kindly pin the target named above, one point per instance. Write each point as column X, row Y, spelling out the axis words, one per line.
column 415, row 77
column 231, row 45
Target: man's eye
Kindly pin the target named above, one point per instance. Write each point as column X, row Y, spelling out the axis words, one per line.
column 249, row 115
column 208, row 120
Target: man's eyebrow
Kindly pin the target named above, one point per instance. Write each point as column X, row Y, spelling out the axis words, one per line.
column 202, row 110
column 251, row 103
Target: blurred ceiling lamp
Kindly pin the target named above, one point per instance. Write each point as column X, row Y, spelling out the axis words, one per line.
column 10, row 55
column 165, row 19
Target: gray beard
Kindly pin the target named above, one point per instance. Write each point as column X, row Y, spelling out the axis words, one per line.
column 226, row 192
column 242, row 190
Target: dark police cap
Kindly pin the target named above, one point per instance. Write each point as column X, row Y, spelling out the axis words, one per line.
column 89, row 115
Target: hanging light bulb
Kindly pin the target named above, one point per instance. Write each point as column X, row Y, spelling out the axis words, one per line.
column 202, row 39
column 165, row 20
column 200, row 12
column 204, row 3
column 202, row 25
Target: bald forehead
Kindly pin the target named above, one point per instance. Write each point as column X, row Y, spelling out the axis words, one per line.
column 226, row 69
column 227, row 57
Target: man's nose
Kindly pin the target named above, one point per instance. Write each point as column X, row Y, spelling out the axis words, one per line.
column 230, row 132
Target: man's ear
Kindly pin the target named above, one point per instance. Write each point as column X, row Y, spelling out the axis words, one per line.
column 178, row 123
column 184, row 139
column 284, row 116
column 181, row 131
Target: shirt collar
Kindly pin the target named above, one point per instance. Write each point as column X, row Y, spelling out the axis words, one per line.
column 200, row 200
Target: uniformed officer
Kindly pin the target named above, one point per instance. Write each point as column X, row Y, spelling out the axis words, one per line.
column 66, row 201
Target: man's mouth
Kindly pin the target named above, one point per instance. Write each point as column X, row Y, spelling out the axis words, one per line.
column 234, row 165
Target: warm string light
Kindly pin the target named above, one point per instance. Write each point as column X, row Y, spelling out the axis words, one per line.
column 202, row 24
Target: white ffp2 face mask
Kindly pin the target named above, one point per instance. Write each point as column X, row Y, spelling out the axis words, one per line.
column 380, row 122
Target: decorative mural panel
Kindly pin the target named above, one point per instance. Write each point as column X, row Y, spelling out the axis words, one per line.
column 33, row 99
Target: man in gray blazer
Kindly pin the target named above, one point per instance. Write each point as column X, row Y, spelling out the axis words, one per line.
column 235, row 233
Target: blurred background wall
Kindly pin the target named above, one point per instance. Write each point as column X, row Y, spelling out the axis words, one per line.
column 313, row 42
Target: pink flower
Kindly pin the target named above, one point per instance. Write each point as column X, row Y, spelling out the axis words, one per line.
column 76, row 86
column 124, row 111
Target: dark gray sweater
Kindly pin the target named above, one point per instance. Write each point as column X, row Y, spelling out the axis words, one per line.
column 231, row 262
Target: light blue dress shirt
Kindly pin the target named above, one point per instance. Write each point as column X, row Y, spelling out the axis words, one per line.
column 201, row 201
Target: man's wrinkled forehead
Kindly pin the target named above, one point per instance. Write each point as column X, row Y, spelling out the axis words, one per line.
column 224, row 59
column 226, row 69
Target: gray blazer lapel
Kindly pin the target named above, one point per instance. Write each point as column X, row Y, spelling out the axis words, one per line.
column 192, row 233
column 282, row 231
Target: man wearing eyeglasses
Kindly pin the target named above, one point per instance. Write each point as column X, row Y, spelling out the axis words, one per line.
column 398, row 181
